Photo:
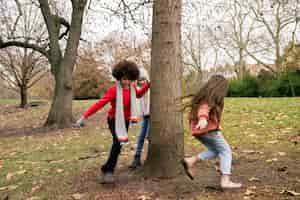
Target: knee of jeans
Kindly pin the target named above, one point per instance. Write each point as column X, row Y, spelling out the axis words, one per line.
column 226, row 149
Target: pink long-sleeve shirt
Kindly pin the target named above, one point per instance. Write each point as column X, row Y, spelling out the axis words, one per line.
column 211, row 117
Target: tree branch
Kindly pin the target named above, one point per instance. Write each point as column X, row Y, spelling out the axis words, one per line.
column 24, row 45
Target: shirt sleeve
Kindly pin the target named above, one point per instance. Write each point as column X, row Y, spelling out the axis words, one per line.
column 140, row 92
column 203, row 111
column 109, row 96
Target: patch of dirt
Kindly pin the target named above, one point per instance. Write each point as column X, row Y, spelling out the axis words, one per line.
column 7, row 109
column 261, row 180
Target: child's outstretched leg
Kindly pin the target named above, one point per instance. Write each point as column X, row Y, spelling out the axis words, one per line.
column 188, row 163
column 217, row 141
column 107, row 170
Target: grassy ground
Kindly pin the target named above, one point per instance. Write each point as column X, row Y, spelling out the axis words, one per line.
column 38, row 163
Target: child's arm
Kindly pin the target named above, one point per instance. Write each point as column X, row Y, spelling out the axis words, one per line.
column 203, row 115
column 107, row 97
column 140, row 92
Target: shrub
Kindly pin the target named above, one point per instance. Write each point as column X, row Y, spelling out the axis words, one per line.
column 246, row 87
column 266, row 85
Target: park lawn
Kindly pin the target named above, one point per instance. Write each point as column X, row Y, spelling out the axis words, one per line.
column 38, row 163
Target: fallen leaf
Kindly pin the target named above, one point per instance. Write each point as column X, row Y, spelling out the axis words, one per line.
column 59, row 170
column 282, row 169
column 273, row 142
column 143, row 197
column 21, row 172
column 254, row 179
column 56, row 161
column 272, row 160
column 249, row 192
column 33, row 198
column 77, row 196
column 282, row 153
column 3, row 188
column 35, row 188
column 252, row 151
column 13, row 153
column 12, row 187
column 9, row 176
column 252, row 187
column 290, row 192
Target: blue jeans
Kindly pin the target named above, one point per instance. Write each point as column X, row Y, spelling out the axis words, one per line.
column 141, row 139
column 216, row 147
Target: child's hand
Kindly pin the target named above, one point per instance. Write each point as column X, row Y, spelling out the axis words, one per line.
column 202, row 123
column 79, row 123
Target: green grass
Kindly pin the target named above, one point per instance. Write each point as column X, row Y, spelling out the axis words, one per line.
column 44, row 166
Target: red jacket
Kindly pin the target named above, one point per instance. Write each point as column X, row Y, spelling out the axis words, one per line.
column 211, row 117
column 110, row 96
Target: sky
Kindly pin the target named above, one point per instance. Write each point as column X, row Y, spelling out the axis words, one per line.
column 99, row 21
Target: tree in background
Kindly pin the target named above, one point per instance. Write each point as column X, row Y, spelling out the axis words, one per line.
column 61, row 56
column 280, row 20
column 292, row 56
column 91, row 77
column 117, row 46
column 232, row 34
column 44, row 88
column 22, row 69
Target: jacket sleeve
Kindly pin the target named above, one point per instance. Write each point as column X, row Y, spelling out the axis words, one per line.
column 109, row 96
column 203, row 111
column 140, row 92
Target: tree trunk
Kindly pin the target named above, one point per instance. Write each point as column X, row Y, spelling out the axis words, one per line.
column 23, row 95
column 166, row 134
column 60, row 113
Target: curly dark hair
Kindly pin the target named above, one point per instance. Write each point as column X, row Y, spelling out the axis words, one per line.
column 126, row 69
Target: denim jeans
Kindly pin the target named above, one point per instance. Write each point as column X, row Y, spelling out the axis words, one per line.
column 216, row 147
column 141, row 139
column 112, row 160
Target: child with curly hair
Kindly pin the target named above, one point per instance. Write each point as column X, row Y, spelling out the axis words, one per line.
column 122, row 97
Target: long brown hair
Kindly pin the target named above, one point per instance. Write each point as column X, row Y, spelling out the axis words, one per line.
column 213, row 92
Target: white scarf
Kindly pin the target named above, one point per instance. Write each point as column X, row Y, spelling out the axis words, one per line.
column 120, row 126
column 144, row 100
column 145, row 104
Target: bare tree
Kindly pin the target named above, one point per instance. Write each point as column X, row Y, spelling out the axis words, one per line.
column 22, row 69
column 232, row 33
column 195, row 40
column 61, row 59
column 280, row 20
column 166, row 134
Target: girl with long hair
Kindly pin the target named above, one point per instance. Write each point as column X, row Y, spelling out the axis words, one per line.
column 204, row 119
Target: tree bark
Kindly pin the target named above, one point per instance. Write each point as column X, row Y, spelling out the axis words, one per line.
column 61, row 109
column 60, row 113
column 23, row 95
column 166, row 134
